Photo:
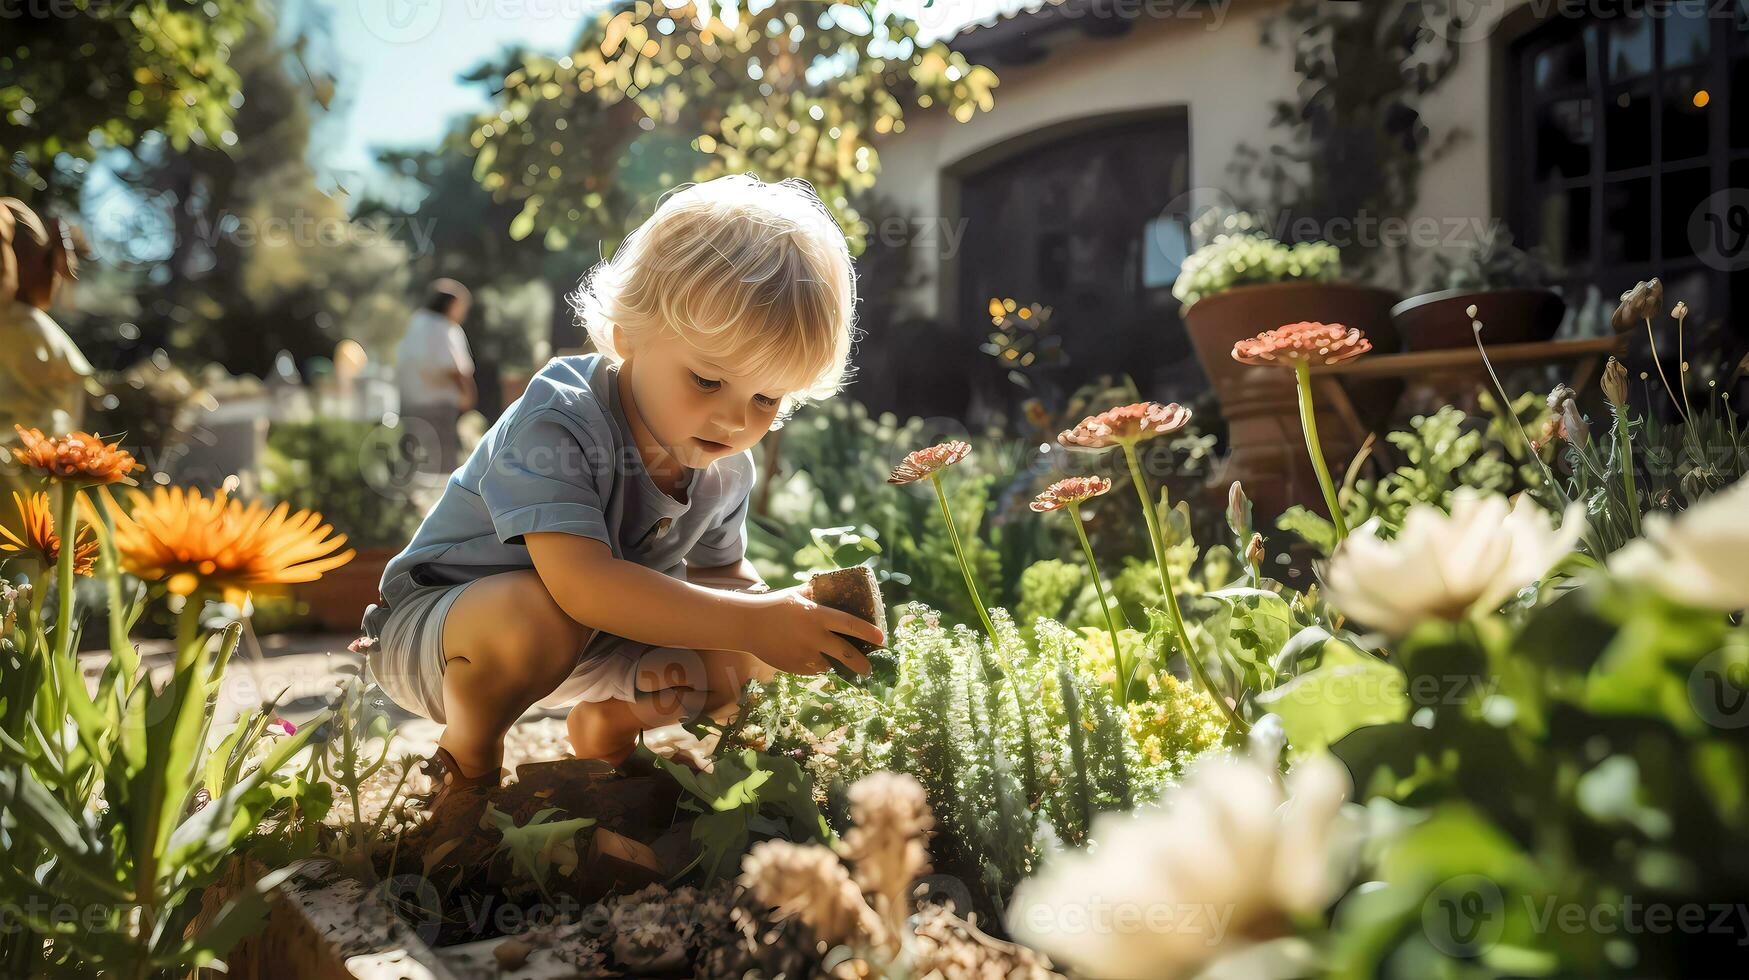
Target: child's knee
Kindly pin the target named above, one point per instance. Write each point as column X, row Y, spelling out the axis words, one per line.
column 536, row 653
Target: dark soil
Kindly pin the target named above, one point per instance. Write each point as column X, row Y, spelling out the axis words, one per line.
column 635, row 841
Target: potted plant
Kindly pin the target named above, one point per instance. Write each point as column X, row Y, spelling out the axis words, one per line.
column 1241, row 284
column 1508, row 286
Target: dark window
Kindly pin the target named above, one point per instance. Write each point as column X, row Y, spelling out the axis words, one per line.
column 1077, row 219
column 1623, row 129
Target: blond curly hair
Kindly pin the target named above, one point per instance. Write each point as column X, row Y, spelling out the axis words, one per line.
column 746, row 271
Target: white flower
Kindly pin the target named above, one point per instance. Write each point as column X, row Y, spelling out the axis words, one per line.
column 1162, row 891
column 1440, row 566
column 1700, row 558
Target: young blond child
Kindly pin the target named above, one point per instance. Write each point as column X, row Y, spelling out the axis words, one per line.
column 591, row 550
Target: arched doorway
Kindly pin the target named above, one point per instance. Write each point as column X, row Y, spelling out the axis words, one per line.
column 1074, row 216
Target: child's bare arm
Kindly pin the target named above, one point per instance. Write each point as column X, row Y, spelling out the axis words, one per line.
column 786, row 629
column 739, row 577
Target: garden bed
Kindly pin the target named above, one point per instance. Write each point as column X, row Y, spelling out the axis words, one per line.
column 445, row 900
column 322, row 924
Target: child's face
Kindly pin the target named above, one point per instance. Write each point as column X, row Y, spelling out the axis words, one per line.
column 699, row 410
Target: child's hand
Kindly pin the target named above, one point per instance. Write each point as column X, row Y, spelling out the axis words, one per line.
column 793, row 633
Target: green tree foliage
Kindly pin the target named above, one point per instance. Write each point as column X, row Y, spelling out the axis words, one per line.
column 239, row 252
column 77, row 76
column 658, row 94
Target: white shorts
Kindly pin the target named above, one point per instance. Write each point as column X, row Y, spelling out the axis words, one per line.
column 407, row 659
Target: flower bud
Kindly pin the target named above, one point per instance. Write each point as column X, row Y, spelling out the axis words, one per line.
column 1254, row 551
column 1577, row 431
column 1615, row 383
column 1680, row 312
column 1238, row 509
column 1639, row 303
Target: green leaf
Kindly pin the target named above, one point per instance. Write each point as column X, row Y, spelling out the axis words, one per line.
column 536, row 846
column 1317, row 532
column 1349, row 690
column 722, row 838
column 747, row 792
column 1306, row 645
column 1262, row 621
column 214, row 828
column 35, row 812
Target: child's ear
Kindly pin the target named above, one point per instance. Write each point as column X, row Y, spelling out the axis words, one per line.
column 620, row 341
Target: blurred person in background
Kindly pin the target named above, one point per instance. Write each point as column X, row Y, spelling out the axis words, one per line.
column 44, row 379
column 435, row 374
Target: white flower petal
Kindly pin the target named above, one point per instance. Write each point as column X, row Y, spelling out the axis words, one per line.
column 1442, row 565
column 1700, row 558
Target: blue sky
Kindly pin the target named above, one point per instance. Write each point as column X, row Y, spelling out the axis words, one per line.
column 399, row 63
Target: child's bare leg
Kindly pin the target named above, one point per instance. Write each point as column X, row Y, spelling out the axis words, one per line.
column 507, row 645
column 608, row 730
column 673, row 685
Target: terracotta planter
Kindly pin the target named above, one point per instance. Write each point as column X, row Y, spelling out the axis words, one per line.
column 1441, row 321
column 337, row 599
column 1267, row 450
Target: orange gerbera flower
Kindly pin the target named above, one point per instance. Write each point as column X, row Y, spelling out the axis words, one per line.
column 36, row 537
column 1319, row 343
column 1126, row 424
column 190, row 541
column 79, row 457
column 1065, row 493
column 927, row 462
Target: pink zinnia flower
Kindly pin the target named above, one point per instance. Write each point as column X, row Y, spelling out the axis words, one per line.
column 279, row 726
column 927, row 462
column 1065, row 493
column 1318, row 343
column 361, row 645
column 1126, row 424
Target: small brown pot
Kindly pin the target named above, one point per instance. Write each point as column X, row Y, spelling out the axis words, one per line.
column 337, row 599
column 1441, row 321
column 1267, row 449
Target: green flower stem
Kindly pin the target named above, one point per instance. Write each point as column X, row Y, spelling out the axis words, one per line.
column 1652, row 338
column 959, row 552
column 953, row 535
column 1309, row 423
column 1123, row 687
column 1624, row 449
column 121, row 648
column 1682, row 371
column 68, row 527
column 189, row 638
column 37, row 591
column 1159, row 541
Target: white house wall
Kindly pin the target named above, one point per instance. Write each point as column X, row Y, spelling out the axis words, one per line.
column 1218, row 68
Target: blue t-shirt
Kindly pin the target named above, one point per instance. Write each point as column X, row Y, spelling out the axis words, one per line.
column 562, row 458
